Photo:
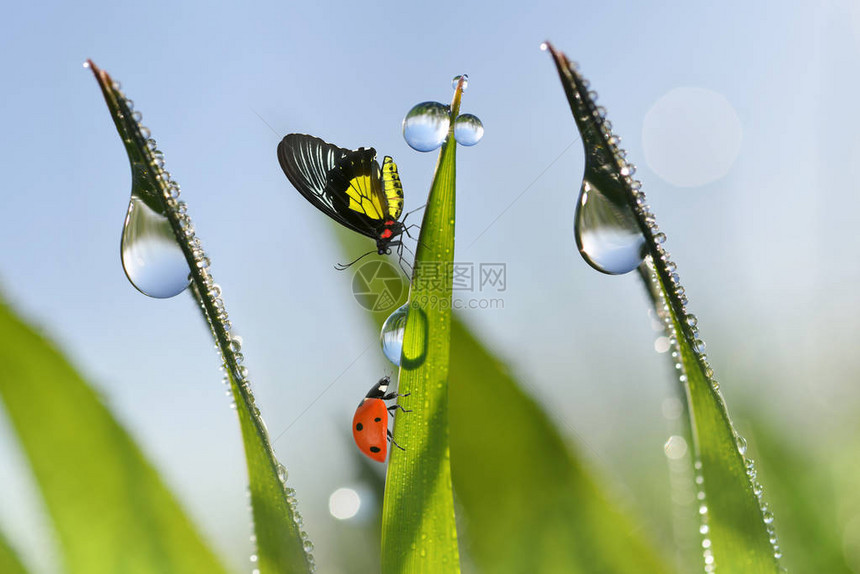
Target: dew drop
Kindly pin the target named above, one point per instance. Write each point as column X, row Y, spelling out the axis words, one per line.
column 151, row 257
column 425, row 127
column 391, row 336
column 456, row 81
column 741, row 443
column 544, row 47
column 468, row 129
column 606, row 231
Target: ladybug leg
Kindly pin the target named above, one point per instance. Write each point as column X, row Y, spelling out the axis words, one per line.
column 390, row 396
column 395, row 407
column 391, row 440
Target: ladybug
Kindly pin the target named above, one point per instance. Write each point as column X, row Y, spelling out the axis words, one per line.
column 370, row 423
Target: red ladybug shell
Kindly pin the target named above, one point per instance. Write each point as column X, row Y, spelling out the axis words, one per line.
column 370, row 428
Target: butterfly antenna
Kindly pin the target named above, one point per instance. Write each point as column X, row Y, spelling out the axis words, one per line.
column 344, row 267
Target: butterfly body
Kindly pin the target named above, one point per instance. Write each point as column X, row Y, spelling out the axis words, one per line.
column 347, row 185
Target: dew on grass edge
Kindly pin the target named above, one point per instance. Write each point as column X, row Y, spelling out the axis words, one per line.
column 161, row 197
column 625, row 207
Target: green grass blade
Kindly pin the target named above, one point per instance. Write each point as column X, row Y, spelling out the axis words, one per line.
column 570, row 514
column 419, row 534
column 738, row 526
column 529, row 502
column 281, row 546
column 110, row 509
column 9, row 561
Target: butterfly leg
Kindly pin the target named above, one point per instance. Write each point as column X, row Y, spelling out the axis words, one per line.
column 405, row 267
column 408, row 213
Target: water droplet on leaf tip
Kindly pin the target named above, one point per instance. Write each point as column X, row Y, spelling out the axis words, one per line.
column 456, row 81
column 151, row 257
column 606, row 231
column 468, row 129
column 425, row 126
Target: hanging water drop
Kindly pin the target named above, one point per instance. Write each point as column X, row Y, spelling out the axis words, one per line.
column 151, row 257
column 425, row 127
column 391, row 336
column 607, row 234
column 741, row 443
column 456, row 81
column 468, row 129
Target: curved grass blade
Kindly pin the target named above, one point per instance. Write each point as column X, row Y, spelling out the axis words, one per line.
column 419, row 534
column 281, row 545
column 111, row 511
column 737, row 526
column 9, row 561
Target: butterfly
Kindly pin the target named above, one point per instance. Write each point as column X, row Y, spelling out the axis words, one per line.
column 348, row 186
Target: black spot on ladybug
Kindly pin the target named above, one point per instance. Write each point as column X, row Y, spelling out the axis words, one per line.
column 377, row 419
column 359, row 426
column 374, row 449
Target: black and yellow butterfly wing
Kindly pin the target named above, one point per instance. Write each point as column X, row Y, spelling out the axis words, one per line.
column 346, row 185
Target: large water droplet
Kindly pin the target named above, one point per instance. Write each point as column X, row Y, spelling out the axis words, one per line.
column 151, row 258
column 391, row 336
column 456, row 81
column 468, row 129
column 607, row 234
column 425, row 127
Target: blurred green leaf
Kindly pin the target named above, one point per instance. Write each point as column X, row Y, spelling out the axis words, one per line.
column 9, row 561
column 419, row 533
column 110, row 509
column 529, row 502
column 281, row 546
column 803, row 486
column 737, row 531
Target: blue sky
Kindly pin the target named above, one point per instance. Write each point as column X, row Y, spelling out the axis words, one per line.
column 767, row 252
